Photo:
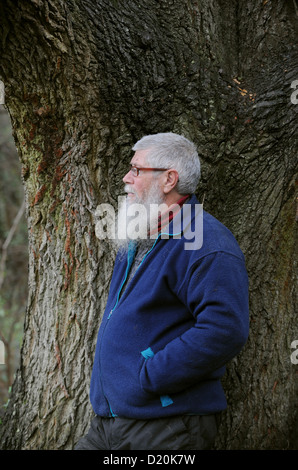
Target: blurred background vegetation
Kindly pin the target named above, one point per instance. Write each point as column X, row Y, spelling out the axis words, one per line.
column 13, row 256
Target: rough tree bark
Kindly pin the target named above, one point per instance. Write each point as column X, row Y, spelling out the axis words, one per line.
column 84, row 80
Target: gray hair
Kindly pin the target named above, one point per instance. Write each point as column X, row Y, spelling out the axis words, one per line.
column 169, row 150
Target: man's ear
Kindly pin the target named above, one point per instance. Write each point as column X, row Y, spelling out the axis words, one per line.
column 170, row 181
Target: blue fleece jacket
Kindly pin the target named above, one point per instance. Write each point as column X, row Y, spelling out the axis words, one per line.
column 163, row 345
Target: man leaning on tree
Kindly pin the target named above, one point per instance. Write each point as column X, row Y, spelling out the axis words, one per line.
column 175, row 316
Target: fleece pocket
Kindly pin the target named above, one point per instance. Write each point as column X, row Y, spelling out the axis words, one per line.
column 164, row 399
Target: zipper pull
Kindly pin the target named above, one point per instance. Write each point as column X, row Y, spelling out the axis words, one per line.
column 110, row 314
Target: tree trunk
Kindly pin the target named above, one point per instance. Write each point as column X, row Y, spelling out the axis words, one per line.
column 83, row 81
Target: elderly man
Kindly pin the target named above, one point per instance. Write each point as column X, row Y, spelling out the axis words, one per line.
column 174, row 316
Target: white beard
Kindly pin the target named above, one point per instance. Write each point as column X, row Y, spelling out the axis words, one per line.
column 146, row 218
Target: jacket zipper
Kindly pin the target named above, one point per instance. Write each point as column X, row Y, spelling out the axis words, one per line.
column 130, row 257
column 129, row 262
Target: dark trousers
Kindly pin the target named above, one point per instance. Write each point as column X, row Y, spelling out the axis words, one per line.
column 173, row 433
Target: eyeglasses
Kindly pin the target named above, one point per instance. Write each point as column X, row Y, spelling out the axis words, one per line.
column 136, row 171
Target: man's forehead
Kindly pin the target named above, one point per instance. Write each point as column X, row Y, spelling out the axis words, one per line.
column 140, row 157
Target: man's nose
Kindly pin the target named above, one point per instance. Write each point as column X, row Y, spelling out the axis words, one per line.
column 128, row 178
